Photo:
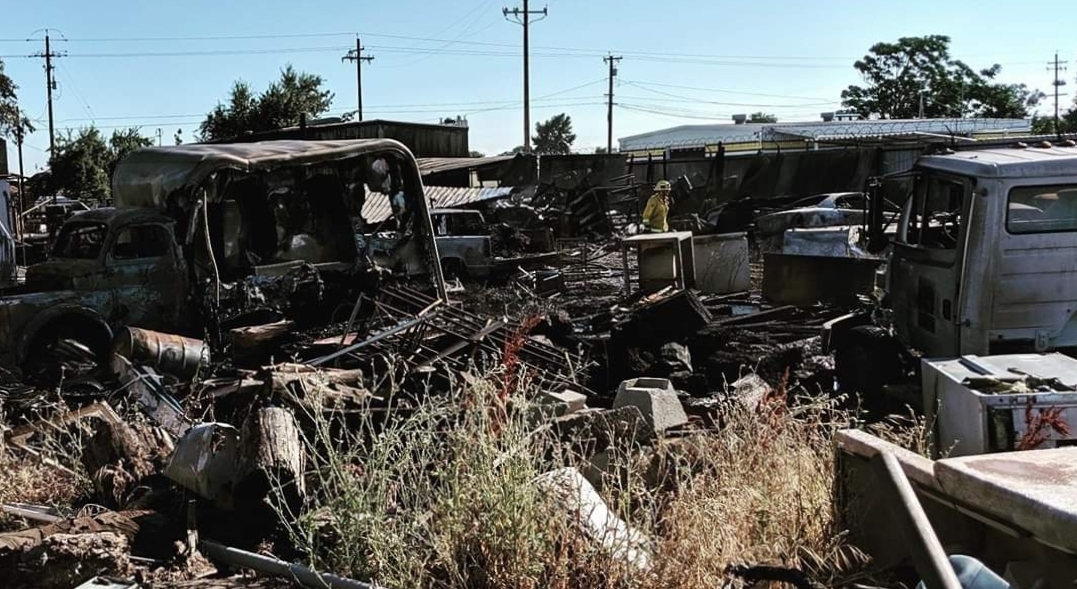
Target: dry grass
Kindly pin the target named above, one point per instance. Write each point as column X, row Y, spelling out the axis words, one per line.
column 28, row 480
column 445, row 496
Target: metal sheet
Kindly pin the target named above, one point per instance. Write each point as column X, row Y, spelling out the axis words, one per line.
column 377, row 209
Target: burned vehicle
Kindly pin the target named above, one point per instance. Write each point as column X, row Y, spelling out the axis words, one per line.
column 205, row 237
column 469, row 247
column 984, row 261
column 822, row 210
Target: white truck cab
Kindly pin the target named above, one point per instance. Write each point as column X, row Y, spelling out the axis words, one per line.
column 984, row 261
column 985, row 257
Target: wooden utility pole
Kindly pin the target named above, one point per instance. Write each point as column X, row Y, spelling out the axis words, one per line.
column 522, row 17
column 356, row 55
column 50, row 85
column 1057, row 83
column 609, row 104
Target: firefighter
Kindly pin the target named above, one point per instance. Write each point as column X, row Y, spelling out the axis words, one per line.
column 654, row 214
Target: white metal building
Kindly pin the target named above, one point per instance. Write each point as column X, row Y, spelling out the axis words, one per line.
column 754, row 137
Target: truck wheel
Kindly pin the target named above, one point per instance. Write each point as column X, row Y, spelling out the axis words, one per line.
column 866, row 361
column 452, row 268
column 66, row 349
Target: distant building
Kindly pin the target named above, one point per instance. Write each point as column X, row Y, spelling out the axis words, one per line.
column 424, row 140
column 831, row 131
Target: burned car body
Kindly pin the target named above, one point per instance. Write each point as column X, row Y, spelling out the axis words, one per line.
column 202, row 235
column 821, row 210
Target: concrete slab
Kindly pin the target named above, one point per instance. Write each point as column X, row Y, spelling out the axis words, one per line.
column 656, row 400
column 1036, row 490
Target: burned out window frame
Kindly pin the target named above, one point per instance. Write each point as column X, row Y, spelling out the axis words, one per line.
column 71, row 227
column 157, row 228
column 919, row 198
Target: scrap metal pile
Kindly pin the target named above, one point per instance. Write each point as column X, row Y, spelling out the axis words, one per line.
column 189, row 440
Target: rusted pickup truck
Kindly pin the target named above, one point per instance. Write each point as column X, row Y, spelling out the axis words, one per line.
column 203, row 235
column 467, row 249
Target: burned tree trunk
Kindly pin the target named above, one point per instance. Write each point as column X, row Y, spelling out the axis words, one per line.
column 270, row 460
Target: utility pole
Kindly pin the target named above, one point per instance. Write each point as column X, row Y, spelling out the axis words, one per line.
column 20, row 135
column 522, row 17
column 356, row 55
column 50, row 85
column 609, row 105
column 1057, row 83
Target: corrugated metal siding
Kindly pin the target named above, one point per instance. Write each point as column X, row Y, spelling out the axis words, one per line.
column 376, row 208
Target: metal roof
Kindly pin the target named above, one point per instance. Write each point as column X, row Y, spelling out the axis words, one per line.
column 147, row 176
column 1014, row 162
column 434, row 165
column 692, row 136
column 697, row 136
column 892, row 128
column 376, row 208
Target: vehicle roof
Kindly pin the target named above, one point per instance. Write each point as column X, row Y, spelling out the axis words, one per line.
column 148, row 175
column 1009, row 162
column 113, row 216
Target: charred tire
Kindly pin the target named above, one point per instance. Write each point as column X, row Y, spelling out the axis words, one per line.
column 453, row 268
column 867, row 359
column 66, row 348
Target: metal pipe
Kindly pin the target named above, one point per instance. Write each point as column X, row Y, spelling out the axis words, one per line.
column 279, row 568
column 370, row 340
column 927, row 554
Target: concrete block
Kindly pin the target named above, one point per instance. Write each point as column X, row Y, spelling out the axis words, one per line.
column 656, row 400
column 566, row 401
column 594, row 519
column 601, row 427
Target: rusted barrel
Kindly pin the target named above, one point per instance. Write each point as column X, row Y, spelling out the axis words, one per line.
column 173, row 354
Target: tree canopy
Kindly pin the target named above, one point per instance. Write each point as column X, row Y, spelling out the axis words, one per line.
column 916, row 76
column 554, row 136
column 762, row 117
column 83, row 163
column 13, row 123
column 283, row 104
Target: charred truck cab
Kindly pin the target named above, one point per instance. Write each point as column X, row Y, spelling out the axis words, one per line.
column 208, row 237
column 984, row 262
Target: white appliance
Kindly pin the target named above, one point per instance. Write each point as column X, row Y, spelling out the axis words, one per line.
column 981, row 404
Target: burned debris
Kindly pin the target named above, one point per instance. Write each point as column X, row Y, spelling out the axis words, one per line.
column 279, row 357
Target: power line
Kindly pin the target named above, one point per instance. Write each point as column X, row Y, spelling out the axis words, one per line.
column 724, row 91
column 523, row 17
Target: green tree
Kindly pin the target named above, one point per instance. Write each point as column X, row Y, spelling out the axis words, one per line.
column 918, row 75
column 80, row 165
column 13, row 122
column 283, row 104
column 762, row 117
column 513, row 151
column 123, row 143
column 83, row 163
column 554, row 136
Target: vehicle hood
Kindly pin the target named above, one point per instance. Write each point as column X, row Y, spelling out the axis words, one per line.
column 61, row 273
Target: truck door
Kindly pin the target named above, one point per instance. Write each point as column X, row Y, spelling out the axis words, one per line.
column 147, row 282
column 926, row 266
column 462, row 236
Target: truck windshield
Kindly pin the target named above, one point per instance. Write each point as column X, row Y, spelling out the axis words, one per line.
column 1042, row 209
column 80, row 241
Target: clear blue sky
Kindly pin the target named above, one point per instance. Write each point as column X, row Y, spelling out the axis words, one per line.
column 685, row 61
